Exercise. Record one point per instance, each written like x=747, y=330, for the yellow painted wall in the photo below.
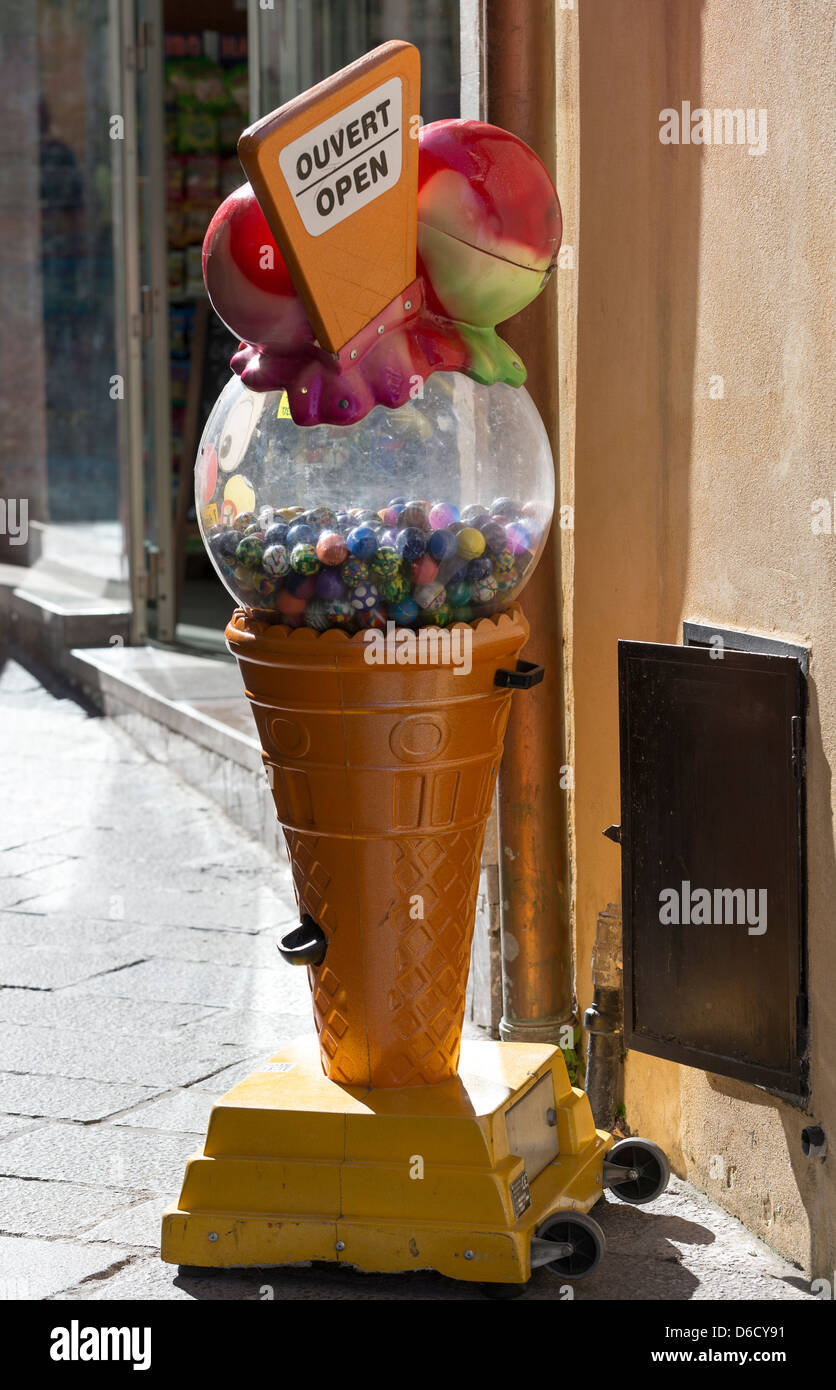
x=693, y=263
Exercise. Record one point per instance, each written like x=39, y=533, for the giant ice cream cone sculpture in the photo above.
x=375, y=487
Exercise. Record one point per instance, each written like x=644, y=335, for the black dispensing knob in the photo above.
x=305, y=945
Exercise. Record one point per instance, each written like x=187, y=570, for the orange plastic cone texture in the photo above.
x=383, y=777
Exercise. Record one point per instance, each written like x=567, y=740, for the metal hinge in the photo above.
x=142, y=324
x=136, y=54
x=149, y=582
x=146, y=309
x=799, y=765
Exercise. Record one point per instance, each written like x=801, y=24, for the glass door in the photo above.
x=194, y=166
x=61, y=397
x=295, y=43
x=139, y=216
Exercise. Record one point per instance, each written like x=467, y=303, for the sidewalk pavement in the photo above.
x=139, y=979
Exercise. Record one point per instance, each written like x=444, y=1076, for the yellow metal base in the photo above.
x=296, y=1167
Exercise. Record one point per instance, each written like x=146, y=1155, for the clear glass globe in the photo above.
x=433, y=513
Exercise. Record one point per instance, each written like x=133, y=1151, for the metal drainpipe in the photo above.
x=537, y=984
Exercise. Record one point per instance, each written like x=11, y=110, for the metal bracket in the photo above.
x=616, y=1173
x=148, y=581
x=523, y=677
x=405, y=306
x=597, y=1020
x=798, y=748
x=544, y=1251
x=136, y=54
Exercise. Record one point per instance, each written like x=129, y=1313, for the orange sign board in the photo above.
x=336, y=174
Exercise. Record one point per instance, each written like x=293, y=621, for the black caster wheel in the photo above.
x=580, y=1244
x=502, y=1292
x=636, y=1171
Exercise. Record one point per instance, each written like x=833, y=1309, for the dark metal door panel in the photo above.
x=712, y=802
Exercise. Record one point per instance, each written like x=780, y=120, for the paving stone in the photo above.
x=252, y=1031
x=69, y=806
x=76, y=1011
x=13, y=891
x=22, y=835
x=196, y=847
x=22, y=928
x=223, y=1081
x=67, y=872
x=636, y=1278
x=52, y=733
x=29, y=713
x=161, y=907
x=27, y=858
x=95, y=1056
x=198, y=982
x=256, y=890
x=681, y=1247
x=106, y=795
x=80, y=747
x=61, y=789
x=35, y=967
x=29, y=1207
x=63, y=1098
x=28, y=703
x=24, y=701
x=214, y=947
x=15, y=679
x=135, y=1225
x=10, y=1124
x=37, y=1269
x=132, y=1160
x=189, y=843
x=150, y=1280
x=99, y=840
x=187, y=1112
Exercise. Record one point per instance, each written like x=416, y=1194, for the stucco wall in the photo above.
x=693, y=496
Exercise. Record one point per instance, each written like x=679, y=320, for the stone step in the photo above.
x=189, y=712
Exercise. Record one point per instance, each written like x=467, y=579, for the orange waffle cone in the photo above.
x=382, y=777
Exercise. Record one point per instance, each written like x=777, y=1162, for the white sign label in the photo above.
x=348, y=160
x=278, y=1067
